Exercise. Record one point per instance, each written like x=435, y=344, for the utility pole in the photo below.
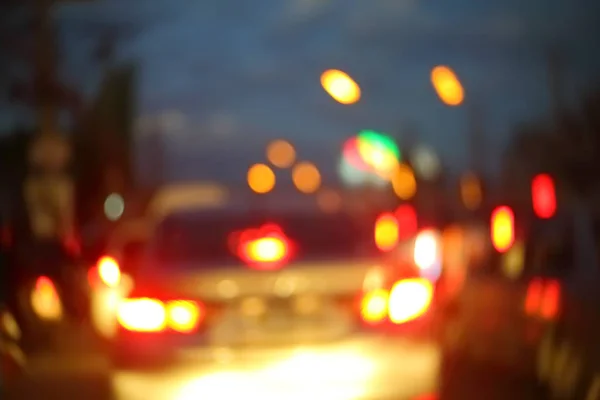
x=157, y=154
x=556, y=81
x=48, y=189
x=476, y=138
x=45, y=68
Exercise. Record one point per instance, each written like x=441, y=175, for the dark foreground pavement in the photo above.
x=93, y=380
x=80, y=372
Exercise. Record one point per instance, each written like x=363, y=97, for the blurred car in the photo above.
x=203, y=273
x=229, y=278
x=486, y=326
x=531, y=312
x=566, y=293
x=256, y=278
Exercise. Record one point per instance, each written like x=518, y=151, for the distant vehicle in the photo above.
x=222, y=277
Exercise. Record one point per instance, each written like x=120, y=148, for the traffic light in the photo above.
x=407, y=220
x=543, y=196
x=386, y=232
x=503, y=228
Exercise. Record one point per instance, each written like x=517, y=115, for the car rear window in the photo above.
x=132, y=255
x=206, y=239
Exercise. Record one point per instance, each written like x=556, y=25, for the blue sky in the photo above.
x=240, y=73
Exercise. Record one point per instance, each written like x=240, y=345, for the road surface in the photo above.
x=355, y=369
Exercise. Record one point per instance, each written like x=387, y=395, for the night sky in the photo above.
x=233, y=74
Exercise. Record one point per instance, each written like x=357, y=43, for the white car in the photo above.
x=110, y=278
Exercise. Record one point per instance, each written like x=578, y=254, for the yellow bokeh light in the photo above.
x=306, y=177
x=447, y=86
x=514, y=260
x=386, y=232
x=329, y=201
x=340, y=86
x=281, y=153
x=404, y=182
x=470, y=191
x=261, y=178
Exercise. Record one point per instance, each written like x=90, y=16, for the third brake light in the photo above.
x=265, y=248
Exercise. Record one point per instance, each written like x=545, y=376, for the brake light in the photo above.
x=407, y=220
x=153, y=315
x=551, y=300
x=45, y=300
x=533, y=298
x=409, y=299
x=427, y=253
x=108, y=270
x=387, y=232
x=183, y=316
x=142, y=315
x=265, y=248
x=374, y=306
x=543, y=299
x=268, y=249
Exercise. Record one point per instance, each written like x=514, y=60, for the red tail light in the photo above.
x=543, y=299
x=551, y=300
x=108, y=271
x=266, y=248
x=533, y=299
x=427, y=253
x=409, y=299
x=153, y=315
x=374, y=306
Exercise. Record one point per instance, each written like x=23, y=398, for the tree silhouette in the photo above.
x=569, y=149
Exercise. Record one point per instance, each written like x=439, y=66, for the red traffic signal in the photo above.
x=543, y=196
x=503, y=228
x=407, y=220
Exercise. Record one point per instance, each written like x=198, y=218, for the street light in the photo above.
x=447, y=86
x=281, y=153
x=306, y=177
x=404, y=182
x=340, y=86
x=261, y=178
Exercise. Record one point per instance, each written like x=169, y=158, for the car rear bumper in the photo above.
x=142, y=351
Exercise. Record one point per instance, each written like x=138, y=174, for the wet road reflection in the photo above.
x=356, y=369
